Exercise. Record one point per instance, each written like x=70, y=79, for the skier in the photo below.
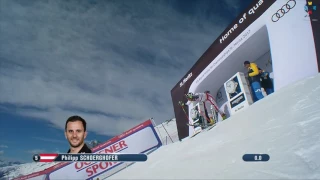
x=206, y=97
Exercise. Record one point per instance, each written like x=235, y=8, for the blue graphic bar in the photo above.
x=256, y=157
x=101, y=157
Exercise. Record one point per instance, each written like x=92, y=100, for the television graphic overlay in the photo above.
x=141, y=139
x=83, y=157
x=310, y=7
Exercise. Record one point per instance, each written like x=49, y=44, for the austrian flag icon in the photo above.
x=47, y=157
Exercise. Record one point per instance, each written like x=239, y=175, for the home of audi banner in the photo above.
x=281, y=37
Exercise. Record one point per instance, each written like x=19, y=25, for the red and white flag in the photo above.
x=47, y=157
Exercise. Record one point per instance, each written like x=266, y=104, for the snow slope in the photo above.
x=285, y=125
x=10, y=172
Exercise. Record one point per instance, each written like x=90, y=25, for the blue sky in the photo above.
x=112, y=62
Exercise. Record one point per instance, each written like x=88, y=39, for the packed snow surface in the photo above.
x=285, y=125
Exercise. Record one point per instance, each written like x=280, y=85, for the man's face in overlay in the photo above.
x=75, y=134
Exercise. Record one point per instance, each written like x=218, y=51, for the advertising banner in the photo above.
x=139, y=139
x=244, y=26
x=238, y=93
x=264, y=32
x=41, y=175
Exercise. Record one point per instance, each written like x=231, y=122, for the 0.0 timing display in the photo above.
x=256, y=157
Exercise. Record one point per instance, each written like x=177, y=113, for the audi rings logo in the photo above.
x=284, y=9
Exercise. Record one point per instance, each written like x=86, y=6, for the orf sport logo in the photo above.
x=284, y=10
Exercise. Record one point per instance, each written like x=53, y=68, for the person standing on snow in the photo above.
x=254, y=79
x=266, y=81
x=206, y=97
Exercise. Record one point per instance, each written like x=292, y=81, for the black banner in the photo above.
x=237, y=101
x=313, y=12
